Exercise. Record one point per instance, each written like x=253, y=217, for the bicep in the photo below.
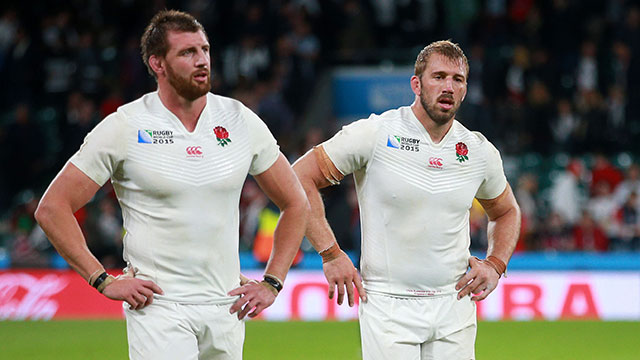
x=316, y=167
x=71, y=187
x=500, y=205
x=280, y=183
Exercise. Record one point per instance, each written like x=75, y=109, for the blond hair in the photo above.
x=445, y=48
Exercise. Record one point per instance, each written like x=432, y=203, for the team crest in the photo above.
x=222, y=135
x=461, y=152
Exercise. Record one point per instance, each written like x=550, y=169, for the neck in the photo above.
x=436, y=131
x=186, y=111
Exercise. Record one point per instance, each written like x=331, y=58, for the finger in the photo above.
x=331, y=290
x=477, y=288
x=238, y=305
x=465, y=291
x=361, y=291
x=350, y=292
x=250, y=305
x=238, y=291
x=131, y=301
x=153, y=286
x=464, y=280
x=140, y=300
x=148, y=294
x=482, y=296
x=341, y=287
x=257, y=310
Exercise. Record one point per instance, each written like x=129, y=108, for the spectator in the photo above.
x=108, y=225
x=627, y=237
x=604, y=171
x=567, y=194
x=602, y=207
x=588, y=236
x=630, y=184
x=555, y=235
x=565, y=127
x=526, y=194
x=26, y=160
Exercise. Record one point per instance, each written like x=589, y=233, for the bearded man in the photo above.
x=417, y=171
x=178, y=158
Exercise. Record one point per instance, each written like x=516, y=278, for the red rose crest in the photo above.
x=222, y=135
x=461, y=152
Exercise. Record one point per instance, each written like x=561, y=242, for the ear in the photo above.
x=157, y=64
x=464, y=93
x=415, y=85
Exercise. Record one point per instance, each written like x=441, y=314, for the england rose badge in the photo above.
x=461, y=152
x=222, y=135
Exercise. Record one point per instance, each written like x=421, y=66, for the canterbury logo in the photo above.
x=194, y=150
x=435, y=162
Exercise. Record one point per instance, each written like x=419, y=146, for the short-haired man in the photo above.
x=417, y=171
x=178, y=158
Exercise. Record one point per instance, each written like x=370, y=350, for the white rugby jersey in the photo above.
x=179, y=190
x=414, y=199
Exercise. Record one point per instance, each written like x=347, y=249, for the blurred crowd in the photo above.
x=553, y=84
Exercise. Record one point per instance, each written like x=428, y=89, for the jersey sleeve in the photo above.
x=103, y=149
x=352, y=147
x=494, y=181
x=264, y=147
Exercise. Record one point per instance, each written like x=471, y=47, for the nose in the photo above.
x=202, y=60
x=448, y=86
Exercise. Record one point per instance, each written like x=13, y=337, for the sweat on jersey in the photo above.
x=179, y=191
x=414, y=199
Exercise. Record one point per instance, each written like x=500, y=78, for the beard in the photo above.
x=185, y=87
x=434, y=111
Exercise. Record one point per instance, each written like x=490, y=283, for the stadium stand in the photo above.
x=554, y=84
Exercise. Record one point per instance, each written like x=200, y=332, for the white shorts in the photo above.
x=168, y=330
x=422, y=328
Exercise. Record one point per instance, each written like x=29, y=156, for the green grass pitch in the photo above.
x=89, y=340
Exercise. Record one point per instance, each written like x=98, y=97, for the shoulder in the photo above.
x=148, y=103
x=114, y=123
x=222, y=103
x=374, y=123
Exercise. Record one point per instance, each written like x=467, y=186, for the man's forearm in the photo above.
x=503, y=234
x=286, y=240
x=62, y=229
x=318, y=230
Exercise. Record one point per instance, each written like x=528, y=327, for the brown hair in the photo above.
x=154, y=40
x=445, y=48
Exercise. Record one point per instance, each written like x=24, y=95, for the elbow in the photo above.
x=44, y=213
x=306, y=208
x=517, y=212
x=302, y=206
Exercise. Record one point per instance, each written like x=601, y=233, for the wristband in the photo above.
x=105, y=283
x=100, y=279
x=330, y=253
x=273, y=281
x=498, y=265
x=91, y=280
x=269, y=287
